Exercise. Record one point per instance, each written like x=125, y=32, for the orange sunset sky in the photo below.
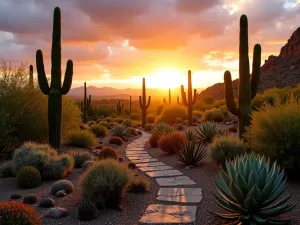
x=117, y=42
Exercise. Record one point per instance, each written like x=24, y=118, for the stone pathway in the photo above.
x=168, y=179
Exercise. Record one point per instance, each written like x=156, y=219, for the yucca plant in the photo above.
x=206, y=132
x=119, y=131
x=249, y=189
x=190, y=153
x=163, y=128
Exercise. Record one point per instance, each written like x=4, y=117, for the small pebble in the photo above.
x=57, y=212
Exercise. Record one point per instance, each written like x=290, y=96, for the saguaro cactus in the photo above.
x=247, y=90
x=178, y=102
x=191, y=100
x=120, y=107
x=85, y=105
x=30, y=77
x=55, y=91
x=143, y=103
x=169, y=96
x=130, y=105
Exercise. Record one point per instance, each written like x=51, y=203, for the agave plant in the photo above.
x=128, y=123
x=190, y=153
x=249, y=189
x=120, y=131
x=163, y=128
x=207, y=131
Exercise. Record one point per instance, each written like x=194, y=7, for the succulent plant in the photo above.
x=249, y=189
x=108, y=153
x=80, y=157
x=163, y=128
x=144, y=105
x=116, y=141
x=207, y=131
x=65, y=185
x=87, y=210
x=119, y=131
x=120, y=107
x=28, y=177
x=85, y=104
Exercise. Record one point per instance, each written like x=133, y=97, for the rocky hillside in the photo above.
x=278, y=71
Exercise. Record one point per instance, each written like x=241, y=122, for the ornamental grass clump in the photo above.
x=206, y=132
x=249, y=189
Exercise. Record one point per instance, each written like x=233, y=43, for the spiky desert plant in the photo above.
x=119, y=131
x=190, y=101
x=206, y=132
x=170, y=96
x=190, y=153
x=55, y=91
x=130, y=105
x=249, y=189
x=178, y=102
x=143, y=104
x=85, y=105
x=163, y=128
x=120, y=107
x=30, y=77
x=87, y=210
x=247, y=90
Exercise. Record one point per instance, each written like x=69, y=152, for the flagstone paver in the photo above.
x=144, y=160
x=164, y=173
x=154, y=168
x=182, y=195
x=166, y=214
x=139, y=157
x=150, y=164
x=174, y=181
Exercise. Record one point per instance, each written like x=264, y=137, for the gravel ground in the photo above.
x=204, y=176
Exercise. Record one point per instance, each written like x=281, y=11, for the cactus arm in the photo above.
x=148, y=104
x=244, y=70
x=81, y=106
x=42, y=79
x=229, y=99
x=141, y=104
x=195, y=96
x=183, y=96
x=255, y=70
x=68, y=78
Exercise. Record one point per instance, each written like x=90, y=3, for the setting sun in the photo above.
x=166, y=78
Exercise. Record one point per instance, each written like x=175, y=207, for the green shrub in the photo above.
x=225, y=148
x=6, y=170
x=116, y=141
x=153, y=141
x=65, y=185
x=249, y=189
x=118, y=120
x=131, y=165
x=135, y=116
x=15, y=213
x=190, y=153
x=108, y=152
x=171, y=113
x=163, y=128
x=99, y=130
x=275, y=133
x=150, y=119
x=215, y=115
x=148, y=127
x=87, y=211
x=108, y=119
x=28, y=177
x=128, y=123
x=80, y=157
x=119, y=131
x=208, y=100
x=206, y=132
x=81, y=138
x=104, y=183
x=138, y=184
x=198, y=113
x=160, y=109
x=179, y=120
x=171, y=142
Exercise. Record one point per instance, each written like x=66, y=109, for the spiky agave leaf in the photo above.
x=249, y=190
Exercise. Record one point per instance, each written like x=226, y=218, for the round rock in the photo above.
x=61, y=193
x=47, y=203
x=57, y=212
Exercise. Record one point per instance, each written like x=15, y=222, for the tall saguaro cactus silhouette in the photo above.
x=55, y=91
x=169, y=96
x=247, y=90
x=30, y=77
x=85, y=104
x=130, y=105
x=178, y=102
x=191, y=100
x=120, y=107
x=143, y=103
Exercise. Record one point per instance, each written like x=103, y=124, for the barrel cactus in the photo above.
x=249, y=189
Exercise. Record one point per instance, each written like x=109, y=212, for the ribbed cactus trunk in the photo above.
x=143, y=104
x=178, y=102
x=120, y=107
x=55, y=91
x=191, y=100
x=247, y=89
x=130, y=105
x=169, y=96
x=30, y=77
x=85, y=104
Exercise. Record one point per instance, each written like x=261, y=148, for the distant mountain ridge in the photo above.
x=278, y=71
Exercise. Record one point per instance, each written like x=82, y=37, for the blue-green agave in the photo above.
x=249, y=189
